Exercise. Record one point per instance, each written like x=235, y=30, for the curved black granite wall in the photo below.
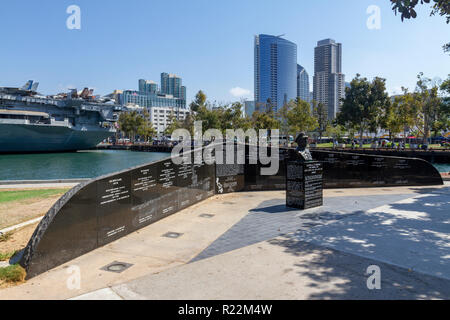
x=341, y=170
x=103, y=210
x=350, y=170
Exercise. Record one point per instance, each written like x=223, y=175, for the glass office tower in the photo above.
x=275, y=71
x=148, y=87
x=303, y=84
x=172, y=84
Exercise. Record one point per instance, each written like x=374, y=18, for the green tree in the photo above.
x=129, y=123
x=320, y=112
x=394, y=117
x=336, y=131
x=299, y=117
x=174, y=124
x=407, y=10
x=210, y=118
x=361, y=106
x=443, y=117
x=380, y=102
x=145, y=128
x=427, y=103
x=132, y=123
x=200, y=101
x=264, y=121
x=147, y=131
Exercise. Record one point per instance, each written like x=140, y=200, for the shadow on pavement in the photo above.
x=409, y=240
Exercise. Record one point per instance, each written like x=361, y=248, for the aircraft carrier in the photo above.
x=31, y=122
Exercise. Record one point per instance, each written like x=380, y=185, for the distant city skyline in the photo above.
x=212, y=53
x=170, y=94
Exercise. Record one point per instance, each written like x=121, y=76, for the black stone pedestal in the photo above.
x=304, y=184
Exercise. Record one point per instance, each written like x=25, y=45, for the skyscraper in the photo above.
x=329, y=81
x=275, y=71
x=303, y=84
x=148, y=87
x=172, y=85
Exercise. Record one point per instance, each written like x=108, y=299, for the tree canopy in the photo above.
x=407, y=10
x=133, y=124
x=362, y=106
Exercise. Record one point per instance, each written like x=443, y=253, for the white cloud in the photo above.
x=240, y=92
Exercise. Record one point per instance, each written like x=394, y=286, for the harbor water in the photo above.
x=75, y=165
x=442, y=167
x=82, y=164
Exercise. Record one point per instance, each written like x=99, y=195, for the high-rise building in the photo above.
x=148, y=87
x=329, y=81
x=303, y=84
x=172, y=84
x=275, y=71
x=249, y=107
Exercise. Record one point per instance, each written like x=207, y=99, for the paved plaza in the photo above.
x=250, y=246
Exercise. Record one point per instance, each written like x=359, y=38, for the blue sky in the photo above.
x=209, y=43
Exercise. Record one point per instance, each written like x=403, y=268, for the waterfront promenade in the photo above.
x=250, y=246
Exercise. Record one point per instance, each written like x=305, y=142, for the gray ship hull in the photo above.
x=23, y=138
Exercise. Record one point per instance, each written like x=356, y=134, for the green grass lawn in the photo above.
x=325, y=145
x=6, y=256
x=14, y=273
x=10, y=196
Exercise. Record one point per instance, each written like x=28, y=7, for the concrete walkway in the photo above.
x=249, y=246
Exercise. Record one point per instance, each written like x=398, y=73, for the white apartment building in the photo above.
x=161, y=117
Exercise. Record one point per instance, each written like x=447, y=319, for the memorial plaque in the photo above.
x=184, y=183
x=115, y=217
x=304, y=184
x=230, y=184
x=295, y=188
x=399, y=171
x=376, y=171
x=167, y=188
x=230, y=176
x=353, y=165
x=145, y=196
x=313, y=177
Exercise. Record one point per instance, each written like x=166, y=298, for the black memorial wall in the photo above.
x=350, y=170
x=105, y=209
x=108, y=208
x=340, y=170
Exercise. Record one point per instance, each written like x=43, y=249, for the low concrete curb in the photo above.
x=20, y=225
x=16, y=182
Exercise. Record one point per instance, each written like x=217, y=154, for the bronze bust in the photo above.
x=302, y=149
